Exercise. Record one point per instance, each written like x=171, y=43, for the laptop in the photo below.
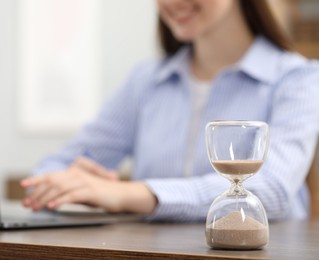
x=14, y=216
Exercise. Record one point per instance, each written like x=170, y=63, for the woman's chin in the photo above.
x=184, y=37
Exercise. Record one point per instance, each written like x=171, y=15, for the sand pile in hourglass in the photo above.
x=235, y=229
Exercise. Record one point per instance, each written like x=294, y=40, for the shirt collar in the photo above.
x=175, y=66
x=261, y=61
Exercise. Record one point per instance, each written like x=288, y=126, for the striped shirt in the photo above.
x=150, y=116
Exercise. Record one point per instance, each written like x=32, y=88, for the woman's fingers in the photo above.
x=73, y=196
x=32, y=199
x=46, y=197
x=60, y=190
x=95, y=168
x=82, y=182
x=50, y=187
x=32, y=181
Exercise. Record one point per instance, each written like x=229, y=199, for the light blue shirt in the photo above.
x=148, y=119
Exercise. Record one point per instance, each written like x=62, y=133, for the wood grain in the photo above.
x=288, y=240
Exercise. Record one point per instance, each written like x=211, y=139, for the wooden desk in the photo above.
x=288, y=240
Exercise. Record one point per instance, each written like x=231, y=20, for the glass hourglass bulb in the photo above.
x=236, y=150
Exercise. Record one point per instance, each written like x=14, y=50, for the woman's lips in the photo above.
x=182, y=16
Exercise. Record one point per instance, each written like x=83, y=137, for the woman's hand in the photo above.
x=87, y=182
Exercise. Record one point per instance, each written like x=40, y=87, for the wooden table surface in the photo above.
x=288, y=240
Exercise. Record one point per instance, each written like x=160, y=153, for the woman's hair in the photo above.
x=259, y=17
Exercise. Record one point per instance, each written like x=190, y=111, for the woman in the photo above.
x=224, y=59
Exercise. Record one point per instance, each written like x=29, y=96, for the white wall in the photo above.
x=129, y=37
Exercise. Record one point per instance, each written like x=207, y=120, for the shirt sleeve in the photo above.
x=109, y=137
x=294, y=126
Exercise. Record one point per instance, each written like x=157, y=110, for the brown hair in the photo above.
x=259, y=17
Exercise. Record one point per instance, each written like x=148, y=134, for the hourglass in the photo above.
x=237, y=219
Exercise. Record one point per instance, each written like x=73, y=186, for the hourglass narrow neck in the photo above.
x=237, y=189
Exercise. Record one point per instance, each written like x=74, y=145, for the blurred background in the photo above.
x=59, y=59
